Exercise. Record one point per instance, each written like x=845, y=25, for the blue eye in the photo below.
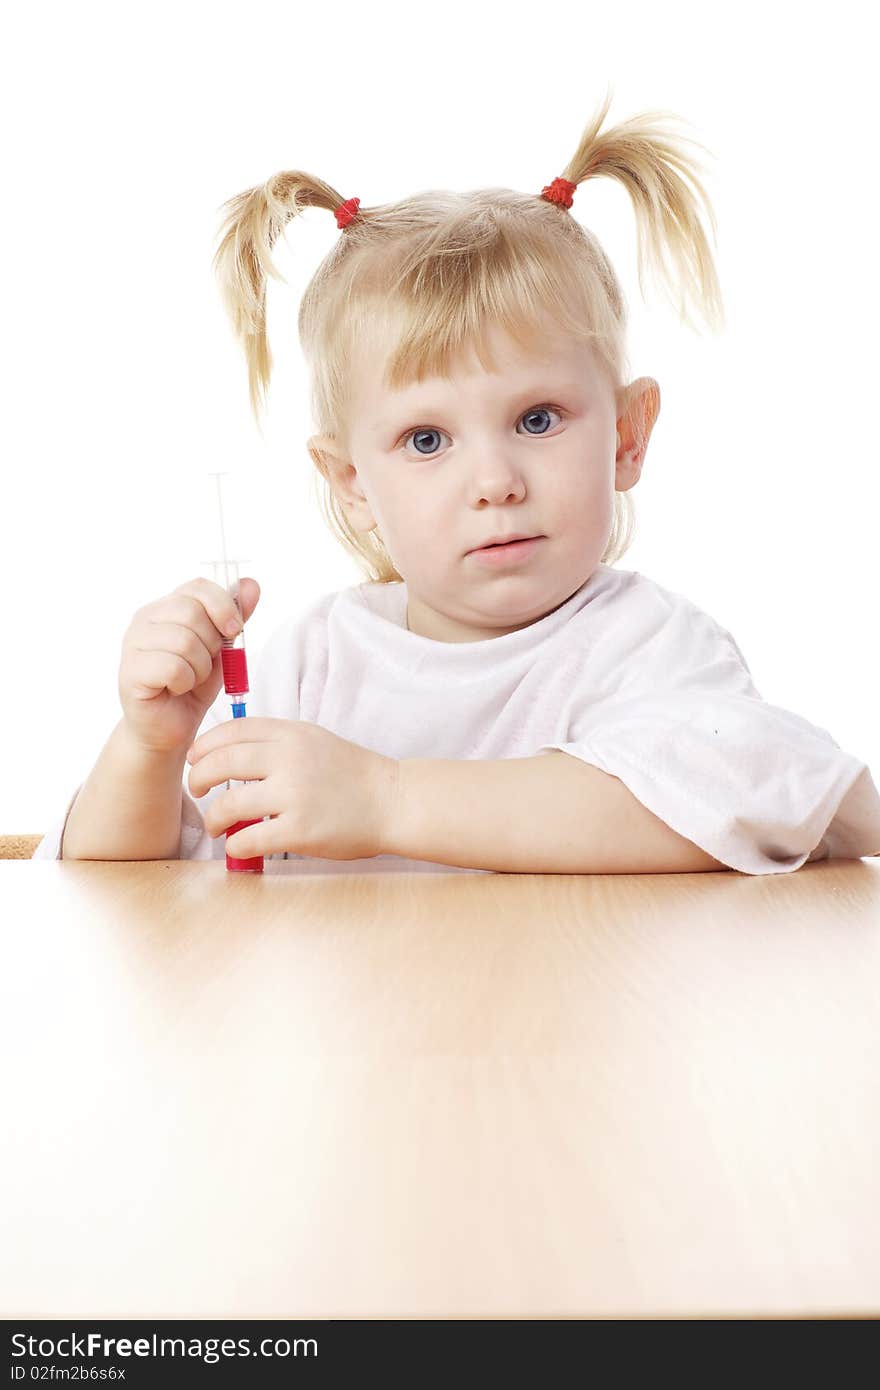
x=539, y=410
x=418, y=435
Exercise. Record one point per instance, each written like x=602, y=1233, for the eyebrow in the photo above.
x=426, y=409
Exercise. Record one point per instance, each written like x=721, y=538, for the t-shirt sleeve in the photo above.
x=681, y=724
x=194, y=843
x=50, y=845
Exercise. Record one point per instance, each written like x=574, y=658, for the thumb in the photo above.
x=248, y=596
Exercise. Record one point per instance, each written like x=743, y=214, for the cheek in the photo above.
x=587, y=508
x=415, y=517
x=411, y=530
x=581, y=487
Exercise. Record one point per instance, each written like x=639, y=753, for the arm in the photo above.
x=130, y=806
x=550, y=814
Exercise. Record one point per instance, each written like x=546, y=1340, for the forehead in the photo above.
x=548, y=357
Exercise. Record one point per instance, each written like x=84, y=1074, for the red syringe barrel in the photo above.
x=235, y=672
x=235, y=681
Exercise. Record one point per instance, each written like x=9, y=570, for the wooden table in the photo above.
x=439, y=1095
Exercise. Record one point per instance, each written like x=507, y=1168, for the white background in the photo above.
x=126, y=129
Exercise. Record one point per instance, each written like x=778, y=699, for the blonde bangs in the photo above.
x=439, y=297
x=513, y=287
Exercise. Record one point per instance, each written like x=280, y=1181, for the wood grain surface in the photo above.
x=438, y=1095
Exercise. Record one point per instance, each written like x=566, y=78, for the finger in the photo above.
x=238, y=804
x=266, y=838
x=238, y=762
x=178, y=649
x=235, y=732
x=205, y=607
x=221, y=605
x=247, y=843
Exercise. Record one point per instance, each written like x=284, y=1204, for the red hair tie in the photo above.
x=346, y=212
x=560, y=191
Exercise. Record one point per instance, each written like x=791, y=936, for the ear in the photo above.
x=335, y=465
x=638, y=407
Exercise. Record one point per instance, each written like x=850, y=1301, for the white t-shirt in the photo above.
x=626, y=675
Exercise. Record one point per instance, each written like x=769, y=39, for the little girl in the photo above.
x=496, y=694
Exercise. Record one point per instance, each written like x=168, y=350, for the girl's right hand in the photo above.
x=171, y=671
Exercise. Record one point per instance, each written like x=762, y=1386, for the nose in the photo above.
x=496, y=478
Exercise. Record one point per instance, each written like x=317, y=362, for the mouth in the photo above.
x=505, y=545
x=506, y=553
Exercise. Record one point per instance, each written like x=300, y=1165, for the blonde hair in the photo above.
x=430, y=272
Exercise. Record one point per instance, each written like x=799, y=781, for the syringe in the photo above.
x=235, y=672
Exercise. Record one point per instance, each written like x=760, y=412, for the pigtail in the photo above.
x=647, y=160
x=242, y=262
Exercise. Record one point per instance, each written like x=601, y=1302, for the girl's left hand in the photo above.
x=327, y=797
